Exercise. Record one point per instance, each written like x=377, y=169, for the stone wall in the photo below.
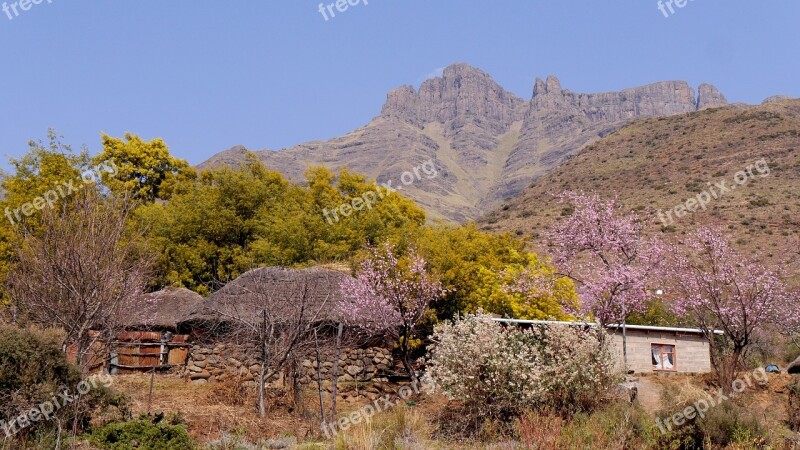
x=221, y=362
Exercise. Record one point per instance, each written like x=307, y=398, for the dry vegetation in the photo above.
x=658, y=163
x=210, y=410
x=417, y=425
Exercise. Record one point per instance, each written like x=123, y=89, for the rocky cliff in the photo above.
x=487, y=143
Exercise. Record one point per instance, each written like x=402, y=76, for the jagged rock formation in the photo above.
x=462, y=92
x=710, y=97
x=487, y=143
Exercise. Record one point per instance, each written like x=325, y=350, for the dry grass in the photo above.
x=415, y=426
x=656, y=164
x=207, y=416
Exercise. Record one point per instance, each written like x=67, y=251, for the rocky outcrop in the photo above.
x=461, y=92
x=487, y=143
x=709, y=96
x=658, y=99
x=559, y=123
x=794, y=366
x=776, y=99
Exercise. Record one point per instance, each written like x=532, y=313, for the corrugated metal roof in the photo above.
x=614, y=326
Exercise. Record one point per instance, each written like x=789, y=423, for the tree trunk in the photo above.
x=625, y=345
x=262, y=378
x=297, y=388
x=730, y=370
x=323, y=418
x=405, y=351
x=335, y=371
x=81, y=357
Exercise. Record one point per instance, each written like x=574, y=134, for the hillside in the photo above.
x=656, y=164
x=487, y=143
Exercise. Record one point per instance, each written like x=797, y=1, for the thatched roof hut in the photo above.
x=281, y=291
x=162, y=310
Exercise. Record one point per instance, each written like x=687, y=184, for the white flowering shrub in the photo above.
x=578, y=371
x=492, y=371
x=499, y=372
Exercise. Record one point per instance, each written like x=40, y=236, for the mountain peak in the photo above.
x=487, y=143
x=551, y=86
x=462, y=69
x=461, y=91
x=708, y=96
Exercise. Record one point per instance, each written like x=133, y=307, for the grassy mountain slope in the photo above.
x=657, y=164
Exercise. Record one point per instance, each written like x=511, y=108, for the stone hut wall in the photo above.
x=214, y=363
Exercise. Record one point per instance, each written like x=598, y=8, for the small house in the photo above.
x=150, y=340
x=651, y=349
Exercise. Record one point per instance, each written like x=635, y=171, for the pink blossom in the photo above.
x=724, y=289
x=386, y=296
x=602, y=249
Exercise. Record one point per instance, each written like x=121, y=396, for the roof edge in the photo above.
x=608, y=326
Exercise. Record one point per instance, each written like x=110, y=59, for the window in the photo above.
x=663, y=357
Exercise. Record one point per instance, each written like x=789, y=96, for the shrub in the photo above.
x=34, y=370
x=616, y=425
x=794, y=406
x=728, y=423
x=141, y=434
x=578, y=371
x=499, y=373
x=402, y=427
x=32, y=366
x=724, y=424
x=494, y=372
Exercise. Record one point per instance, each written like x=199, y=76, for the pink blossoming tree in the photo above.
x=389, y=295
x=722, y=289
x=602, y=249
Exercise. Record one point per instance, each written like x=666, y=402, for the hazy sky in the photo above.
x=208, y=75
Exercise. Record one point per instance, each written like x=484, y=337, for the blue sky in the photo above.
x=206, y=75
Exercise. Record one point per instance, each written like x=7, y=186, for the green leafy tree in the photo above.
x=41, y=172
x=145, y=169
x=476, y=268
x=232, y=219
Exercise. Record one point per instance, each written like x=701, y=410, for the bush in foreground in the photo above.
x=725, y=425
x=141, y=434
x=34, y=372
x=498, y=373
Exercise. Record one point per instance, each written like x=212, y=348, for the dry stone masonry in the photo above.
x=223, y=362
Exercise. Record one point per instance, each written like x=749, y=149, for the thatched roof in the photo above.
x=282, y=290
x=164, y=309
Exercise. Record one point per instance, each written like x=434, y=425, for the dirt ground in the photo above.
x=769, y=400
x=211, y=409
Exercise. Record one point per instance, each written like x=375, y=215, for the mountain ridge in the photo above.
x=487, y=143
x=657, y=166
